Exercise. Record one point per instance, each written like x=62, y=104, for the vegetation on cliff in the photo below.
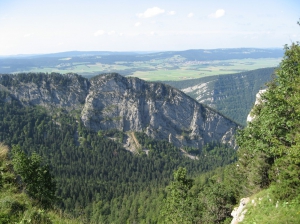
x=27, y=190
x=269, y=146
x=268, y=166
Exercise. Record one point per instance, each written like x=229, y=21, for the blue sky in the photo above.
x=42, y=26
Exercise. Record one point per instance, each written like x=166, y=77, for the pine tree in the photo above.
x=273, y=137
x=178, y=204
x=37, y=180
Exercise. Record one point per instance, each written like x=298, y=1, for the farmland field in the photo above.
x=194, y=70
x=161, y=66
x=160, y=70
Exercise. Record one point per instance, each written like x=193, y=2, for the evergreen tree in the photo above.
x=179, y=201
x=37, y=179
x=269, y=146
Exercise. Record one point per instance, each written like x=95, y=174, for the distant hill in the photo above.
x=193, y=54
x=76, y=54
x=233, y=95
x=222, y=54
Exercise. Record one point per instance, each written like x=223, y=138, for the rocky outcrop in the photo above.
x=258, y=100
x=112, y=101
x=238, y=213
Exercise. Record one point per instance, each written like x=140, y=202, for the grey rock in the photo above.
x=112, y=101
x=51, y=91
x=161, y=111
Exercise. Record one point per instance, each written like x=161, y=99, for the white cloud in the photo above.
x=137, y=24
x=171, y=13
x=27, y=35
x=190, y=15
x=152, y=33
x=111, y=32
x=217, y=14
x=151, y=12
x=99, y=33
x=132, y=34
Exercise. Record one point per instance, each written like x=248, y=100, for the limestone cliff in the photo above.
x=51, y=91
x=159, y=110
x=128, y=104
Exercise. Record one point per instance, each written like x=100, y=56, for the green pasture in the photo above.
x=163, y=74
x=155, y=70
x=194, y=70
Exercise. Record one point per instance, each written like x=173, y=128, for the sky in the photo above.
x=48, y=26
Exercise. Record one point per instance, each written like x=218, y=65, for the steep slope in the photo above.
x=160, y=111
x=112, y=101
x=15, y=205
x=233, y=95
x=263, y=207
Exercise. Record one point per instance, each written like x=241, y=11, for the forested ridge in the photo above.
x=95, y=176
x=233, y=95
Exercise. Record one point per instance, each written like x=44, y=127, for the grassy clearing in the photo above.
x=263, y=208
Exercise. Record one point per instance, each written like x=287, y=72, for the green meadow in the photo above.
x=193, y=71
x=161, y=69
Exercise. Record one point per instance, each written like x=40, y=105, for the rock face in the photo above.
x=160, y=111
x=257, y=101
x=51, y=91
x=203, y=92
x=112, y=101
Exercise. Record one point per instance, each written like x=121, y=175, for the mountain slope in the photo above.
x=95, y=175
x=112, y=101
x=233, y=95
